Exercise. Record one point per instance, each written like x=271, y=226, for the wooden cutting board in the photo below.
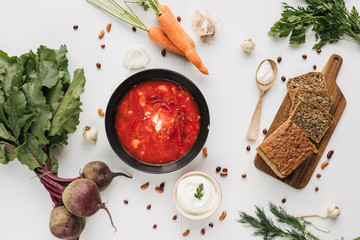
x=301, y=176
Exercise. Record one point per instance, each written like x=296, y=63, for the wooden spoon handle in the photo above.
x=252, y=133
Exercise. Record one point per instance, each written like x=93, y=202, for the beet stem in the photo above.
x=102, y=206
x=59, y=179
x=52, y=183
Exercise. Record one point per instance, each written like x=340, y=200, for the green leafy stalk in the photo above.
x=154, y=5
x=199, y=190
x=39, y=106
x=119, y=12
x=330, y=20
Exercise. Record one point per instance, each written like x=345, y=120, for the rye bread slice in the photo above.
x=311, y=119
x=318, y=98
x=286, y=148
x=311, y=80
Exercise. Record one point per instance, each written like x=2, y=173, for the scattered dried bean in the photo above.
x=202, y=231
x=102, y=33
x=101, y=113
x=205, y=151
x=144, y=186
x=108, y=27
x=186, y=233
x=223, y=174
x=75, y=27
x=223, y=216
x=163, y=52
x=159, y=190
x=279, y=59
x=324, y=164
x=329, y=154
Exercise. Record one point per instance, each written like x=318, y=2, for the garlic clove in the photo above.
x=333, y=211
x=90, y=134
x=247, y=45
x=208, y=29
x=205, y=25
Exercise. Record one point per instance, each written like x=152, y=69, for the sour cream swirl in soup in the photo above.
x=186, y=199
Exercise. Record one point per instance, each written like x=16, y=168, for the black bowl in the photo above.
x=129, y=83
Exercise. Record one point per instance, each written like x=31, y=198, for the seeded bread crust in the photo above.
x=286, y=148
x=311, y=80
x=318, y=98
x=311, y=119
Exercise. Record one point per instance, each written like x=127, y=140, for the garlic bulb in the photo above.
x=333, y=211
x=205, y=25
x=90, y=134
x=247, y=45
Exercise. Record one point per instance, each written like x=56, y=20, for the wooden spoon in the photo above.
x=252, y=133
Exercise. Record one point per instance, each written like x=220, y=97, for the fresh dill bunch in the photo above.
x=266, y=228
x=330, y=20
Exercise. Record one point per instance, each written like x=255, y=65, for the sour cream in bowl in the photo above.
x=196, y=195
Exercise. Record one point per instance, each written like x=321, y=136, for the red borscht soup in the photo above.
x=157, y=122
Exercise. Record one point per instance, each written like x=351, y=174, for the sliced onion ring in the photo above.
x=136, y=57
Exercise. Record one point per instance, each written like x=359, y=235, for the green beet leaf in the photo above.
x=7, y=153
x=66, y=117
x=15, y=109
x=37, y=102
x=31, y=153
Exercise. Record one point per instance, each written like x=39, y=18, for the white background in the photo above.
x=231, y=94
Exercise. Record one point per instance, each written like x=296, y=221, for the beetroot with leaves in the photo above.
x=39, y=107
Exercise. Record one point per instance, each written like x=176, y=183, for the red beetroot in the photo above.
x=82, y=198
x=100, y=173
x=65, y=225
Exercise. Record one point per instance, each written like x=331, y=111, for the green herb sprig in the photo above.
x=293, y=227
x=266, y=228
x=330, y=20
x=199, y=190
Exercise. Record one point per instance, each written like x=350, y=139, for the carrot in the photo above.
x=166, y=10
x=176, y=33
x=158, y=36
x=179, y=37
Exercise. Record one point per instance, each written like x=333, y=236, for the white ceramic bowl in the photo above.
x=213, y=208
